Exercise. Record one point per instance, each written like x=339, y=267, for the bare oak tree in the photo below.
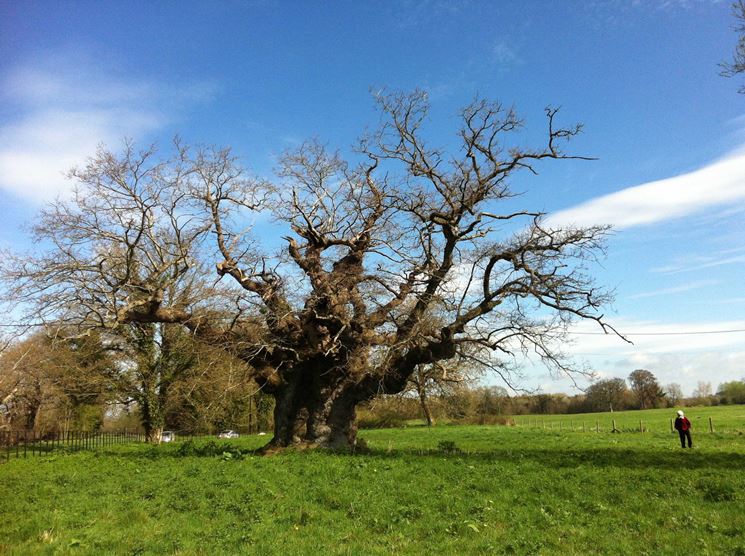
x=405, y=258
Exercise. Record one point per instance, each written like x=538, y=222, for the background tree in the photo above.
x=607, y=395
x=494, y=401
x=407, y=257
x=125, y=241
x=673, y=394
x=439, y=379
x=645, y=387
x=51, y=383
x=703, y=394
x=732, y=392
x=217, y=393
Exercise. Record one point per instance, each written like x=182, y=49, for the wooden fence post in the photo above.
x=614, y=426
x=711, y=425
x=597, y=425
x=671, y=424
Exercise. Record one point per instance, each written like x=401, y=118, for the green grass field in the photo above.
x=445, y=490
x=724, y=418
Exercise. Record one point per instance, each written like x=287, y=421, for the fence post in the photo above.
x=614, y=426
x=711, y=425
x=671, y=424
x=597, y=425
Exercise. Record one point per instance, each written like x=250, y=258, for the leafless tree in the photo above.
x=737, y=65
x=703, y=394
x=674, y=394
x=439, y=379
x=407, y=257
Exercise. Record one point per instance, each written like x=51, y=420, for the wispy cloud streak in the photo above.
x=657, y=201
x=675, y=289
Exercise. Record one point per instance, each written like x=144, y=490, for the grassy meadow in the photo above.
x=724, y=418
x=445, y=490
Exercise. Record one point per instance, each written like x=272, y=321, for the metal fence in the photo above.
x=26, y=444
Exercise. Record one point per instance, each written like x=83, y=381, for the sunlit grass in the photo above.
x=723, y=418
x=445, y=490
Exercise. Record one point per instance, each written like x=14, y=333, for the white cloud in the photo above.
x=65, y=112
x=675, y=289
x=716, y=184
x=700, y=262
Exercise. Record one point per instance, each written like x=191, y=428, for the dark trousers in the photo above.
x=683, y=436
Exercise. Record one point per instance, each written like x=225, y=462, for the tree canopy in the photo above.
x=405, y=255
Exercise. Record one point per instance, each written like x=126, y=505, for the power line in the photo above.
x=690, y=333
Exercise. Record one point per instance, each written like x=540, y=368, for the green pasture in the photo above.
x=445, y=490
x=724, y=418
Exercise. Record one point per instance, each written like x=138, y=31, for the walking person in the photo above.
x=683, y=426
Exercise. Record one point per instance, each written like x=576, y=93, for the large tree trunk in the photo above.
x=152, y=416
x=312, y=410
x=422, y=391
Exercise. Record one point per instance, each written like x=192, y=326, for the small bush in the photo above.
x=211, y=448
x=448, y=447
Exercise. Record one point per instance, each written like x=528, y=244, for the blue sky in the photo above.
x=642, y=75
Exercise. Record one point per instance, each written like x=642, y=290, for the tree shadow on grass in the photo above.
x=596, y=457
x=553, y=457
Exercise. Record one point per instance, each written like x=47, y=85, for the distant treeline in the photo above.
x=92, y=384
x=493, y=404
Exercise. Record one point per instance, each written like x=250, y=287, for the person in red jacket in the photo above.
x=683, y=426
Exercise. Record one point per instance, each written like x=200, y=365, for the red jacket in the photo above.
x=682, y=424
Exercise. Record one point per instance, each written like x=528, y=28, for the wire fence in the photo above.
x=617, y=426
